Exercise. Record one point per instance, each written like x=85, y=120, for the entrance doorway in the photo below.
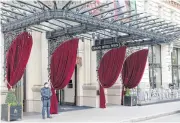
x=67, y=96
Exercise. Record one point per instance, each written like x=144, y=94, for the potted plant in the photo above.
x=130, y=100
x=11, y=110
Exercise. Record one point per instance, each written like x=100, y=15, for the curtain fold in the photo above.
x=102, y=97
x=54, y=107
x=109, y=70
x=62, y=65
x=17, y=57
x=133, y=70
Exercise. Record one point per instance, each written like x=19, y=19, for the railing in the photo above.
x=147, y=96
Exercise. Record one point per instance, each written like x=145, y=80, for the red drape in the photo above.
x=17, y=57
x=54, y=102
x=63, y=62
x=133, y=69
x=109, y=70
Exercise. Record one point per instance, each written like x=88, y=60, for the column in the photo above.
x=44, y=55
x=84, y=61
x=80, y=74
x=93, y=66
x=166, y=66
x=34, y=74
x=90, y=97
x=87, y=61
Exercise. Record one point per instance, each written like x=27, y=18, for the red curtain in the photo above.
x=17, y=57
x=133, y=69
x=109, y=70
x=63, y=62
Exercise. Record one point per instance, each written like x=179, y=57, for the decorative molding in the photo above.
x=115, y=86
x=37, y=88
x=90, y=87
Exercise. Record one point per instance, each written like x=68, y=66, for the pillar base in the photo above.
x=90, y=95
x=35, y=104
x=114, y=95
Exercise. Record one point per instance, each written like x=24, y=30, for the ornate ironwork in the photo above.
x=157, y=95
x=67, y=15
x=131, y=50
x=41, y=12
x=52, y=45
x=8, y=38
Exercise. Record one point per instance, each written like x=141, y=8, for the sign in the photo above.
x=103, y=47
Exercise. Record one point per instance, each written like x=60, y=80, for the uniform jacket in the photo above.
x=46, y=93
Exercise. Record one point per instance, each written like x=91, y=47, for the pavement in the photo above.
x=116, y=113
x=169, y=118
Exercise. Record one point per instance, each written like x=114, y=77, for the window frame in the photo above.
x=153, y=65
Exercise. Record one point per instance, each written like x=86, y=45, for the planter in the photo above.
x=130, y=100
x=11, y=113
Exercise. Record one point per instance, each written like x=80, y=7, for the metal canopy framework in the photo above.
x=70, y=18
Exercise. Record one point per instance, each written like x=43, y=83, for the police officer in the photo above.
x=45, y=97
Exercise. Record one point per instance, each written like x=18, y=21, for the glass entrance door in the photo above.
x=67, y=96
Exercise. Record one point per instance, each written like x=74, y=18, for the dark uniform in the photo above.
x=46, y=95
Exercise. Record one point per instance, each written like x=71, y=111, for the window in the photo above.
x=155, y=73
x=175, y=66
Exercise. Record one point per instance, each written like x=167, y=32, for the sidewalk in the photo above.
x=111, y=114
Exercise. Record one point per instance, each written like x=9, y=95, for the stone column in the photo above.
x=34, y=74
x=80, y=74
x=93, y=66
x=90, y=88
x=84, y=61
x=166, y=66
x=44, y=55
x=43, y=72
x=87, y=61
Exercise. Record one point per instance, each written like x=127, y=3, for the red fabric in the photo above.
x=109, y=70
x=17, y=57
x=54, y=107
x=102, y=97
x=133, y=69
x=62, y=65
